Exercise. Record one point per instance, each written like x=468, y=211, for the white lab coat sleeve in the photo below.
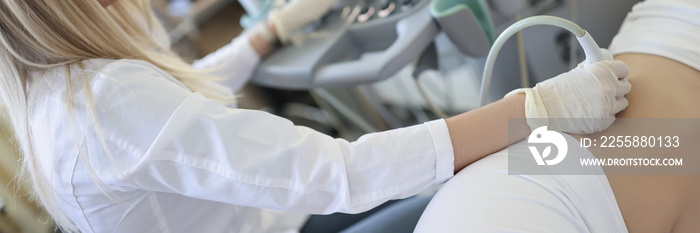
x=202, y=149
x=235, y=62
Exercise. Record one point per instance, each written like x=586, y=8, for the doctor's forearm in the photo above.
x=483, y=131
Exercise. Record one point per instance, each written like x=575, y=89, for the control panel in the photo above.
x=359, y=42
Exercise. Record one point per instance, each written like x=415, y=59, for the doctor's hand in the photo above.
x=296, y=14
x=581, y=101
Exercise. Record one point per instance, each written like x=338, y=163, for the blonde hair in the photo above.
x=42, y=34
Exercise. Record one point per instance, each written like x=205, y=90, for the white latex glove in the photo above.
x=296, y=14
x=581, y=101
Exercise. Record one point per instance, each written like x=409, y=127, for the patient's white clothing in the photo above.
x=484, y=197
x=667, y=28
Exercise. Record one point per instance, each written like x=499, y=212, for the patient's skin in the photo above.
x=661, y=88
